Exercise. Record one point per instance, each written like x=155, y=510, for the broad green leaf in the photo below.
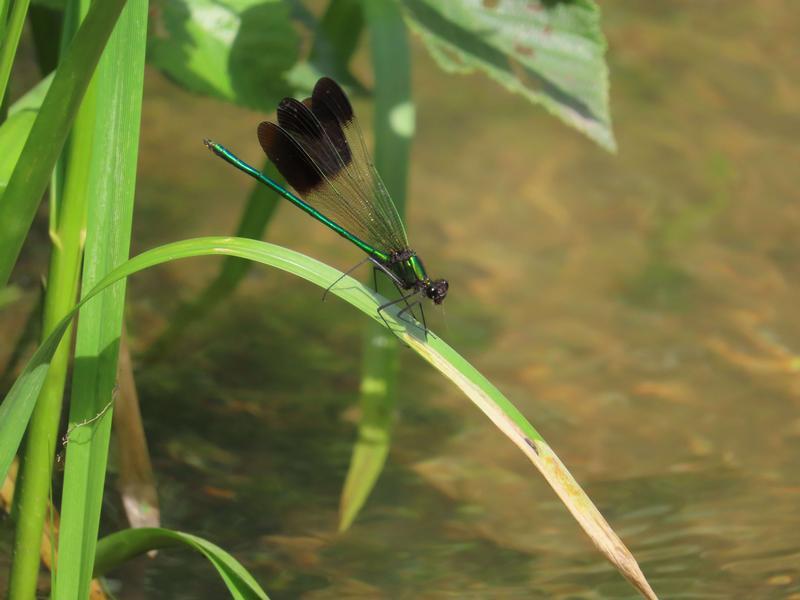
x=18, y=404
x=335, y=37
x=235, y=50
x=117, y=548
x=550, y=51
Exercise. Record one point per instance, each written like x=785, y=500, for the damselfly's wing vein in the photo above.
x=318, y=148
x=329, y=95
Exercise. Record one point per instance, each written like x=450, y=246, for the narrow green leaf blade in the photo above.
x=49, y=131
x=117, y=548
x=434, y=350
x=33, y=98
x=119, y=84
x=15, y=130
x=13, y=134
x=549, y=51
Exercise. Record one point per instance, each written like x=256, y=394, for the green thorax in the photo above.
x=409, y=269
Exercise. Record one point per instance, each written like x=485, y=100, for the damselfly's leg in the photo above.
x=375, y=278
x=410, y=308
x=398, y=284
x=386, y=305
x=350, y=270
x=380, y=266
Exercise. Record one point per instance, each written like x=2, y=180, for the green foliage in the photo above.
x=13, y=134
x=551, y=52
x=335, y=41
x=119, y=547
x=15, y=129
x=108, y=232
x=10, y=33
x=18, y=404
x=235, y=50
x=394, y=132
x=49, y=132
x=247, y=52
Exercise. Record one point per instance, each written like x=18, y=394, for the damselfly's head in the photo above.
x=436, y=290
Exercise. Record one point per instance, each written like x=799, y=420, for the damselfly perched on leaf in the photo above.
x=318, y=148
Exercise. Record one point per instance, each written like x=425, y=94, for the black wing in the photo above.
x=318, y=148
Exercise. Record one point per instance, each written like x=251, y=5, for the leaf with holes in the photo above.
x=550, y=51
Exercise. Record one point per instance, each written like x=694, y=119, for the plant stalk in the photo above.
x=62, y=287
x=67, y=231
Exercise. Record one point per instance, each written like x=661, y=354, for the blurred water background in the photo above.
x=640, y=309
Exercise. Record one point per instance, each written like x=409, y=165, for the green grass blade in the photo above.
x=67, y=232
x=18, y=404
x=4, y=4
x=15, y=129
x=46, y=139
x=11, y=33
x=13, y=133
x=394, y=106
x=33, y=98
x=111, y=186
x=117, y=548
x=377, y=412
x=394, y=129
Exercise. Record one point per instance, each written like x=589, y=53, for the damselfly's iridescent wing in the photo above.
x=318, y=148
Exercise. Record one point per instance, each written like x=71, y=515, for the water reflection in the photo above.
x=641, y=309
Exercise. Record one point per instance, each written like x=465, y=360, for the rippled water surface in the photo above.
x=640, y=309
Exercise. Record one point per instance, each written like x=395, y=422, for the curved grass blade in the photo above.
x=119, y=547
x=16, y=408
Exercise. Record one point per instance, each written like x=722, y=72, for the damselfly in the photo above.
x=318, y=148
